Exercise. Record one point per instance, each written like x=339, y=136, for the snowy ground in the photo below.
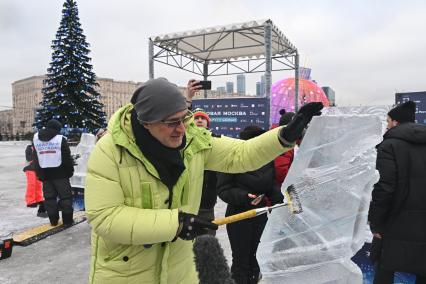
x=62, y=258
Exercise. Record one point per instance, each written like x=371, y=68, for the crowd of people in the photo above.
x=154, y=178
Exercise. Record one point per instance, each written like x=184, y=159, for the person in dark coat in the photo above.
x=397, y=214
x=54, y=167
x=34, y=193
x=240, y=192
x=209, y=195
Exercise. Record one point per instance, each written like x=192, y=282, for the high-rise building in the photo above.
x=229, y=87
x=221, y=90
x=262, y=85
x=258, y=89
x=241, y=84
x=330, y=94
x=305, y=73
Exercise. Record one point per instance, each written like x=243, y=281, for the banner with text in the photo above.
x=231, y=115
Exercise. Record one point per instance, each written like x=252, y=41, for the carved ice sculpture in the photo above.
x=333, y=172
x=83, y=150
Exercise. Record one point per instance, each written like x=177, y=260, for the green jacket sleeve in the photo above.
x=105, y=205
x=230, y=155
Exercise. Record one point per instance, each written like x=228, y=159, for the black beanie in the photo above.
x=286, y=117
x=54, y=125
x=251, y=131
x=405, y=112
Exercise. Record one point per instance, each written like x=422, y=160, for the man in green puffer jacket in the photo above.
x=144, y=184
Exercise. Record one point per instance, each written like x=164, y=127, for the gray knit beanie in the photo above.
x=156, y=100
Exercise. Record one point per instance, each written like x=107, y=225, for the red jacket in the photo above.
x=282, y=165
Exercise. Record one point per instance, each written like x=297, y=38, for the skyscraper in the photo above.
x=221, y=90
x=241, y=84
x=331, y=96
x=258, y=89
x=262, y=85
x=229, y=87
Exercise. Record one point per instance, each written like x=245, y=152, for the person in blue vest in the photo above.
x=54, y=167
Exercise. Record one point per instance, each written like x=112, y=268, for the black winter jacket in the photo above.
x=398, y=206
x=234, y=188
x=209, y=195
x=29, y=156
x=65, y=170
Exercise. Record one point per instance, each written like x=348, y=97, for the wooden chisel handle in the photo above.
x=236, y=217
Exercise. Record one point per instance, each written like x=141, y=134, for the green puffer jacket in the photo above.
x=126, y=201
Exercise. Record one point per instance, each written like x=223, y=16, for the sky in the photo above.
x=366, y=50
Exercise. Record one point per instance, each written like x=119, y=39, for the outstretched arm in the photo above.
x=235, y=156
x=191, y=89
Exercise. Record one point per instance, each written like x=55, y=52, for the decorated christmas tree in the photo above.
x=69, y=93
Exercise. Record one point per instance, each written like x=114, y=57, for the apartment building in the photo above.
x=6, y=122
x=26, y=96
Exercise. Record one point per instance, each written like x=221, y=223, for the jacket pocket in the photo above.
x=118, y=260
x=116, y=252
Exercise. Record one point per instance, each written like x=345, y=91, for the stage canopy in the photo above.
x=250, y=47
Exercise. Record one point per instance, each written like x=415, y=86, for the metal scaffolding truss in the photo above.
x=250, y=47
x=228, y=67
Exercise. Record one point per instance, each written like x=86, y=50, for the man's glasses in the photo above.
x=175, y=123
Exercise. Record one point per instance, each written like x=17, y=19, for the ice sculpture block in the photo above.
x=83, y=149
x=379, y=110
x=333, y=172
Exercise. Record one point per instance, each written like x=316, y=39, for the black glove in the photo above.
x=294, y=129
x=191, y=226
